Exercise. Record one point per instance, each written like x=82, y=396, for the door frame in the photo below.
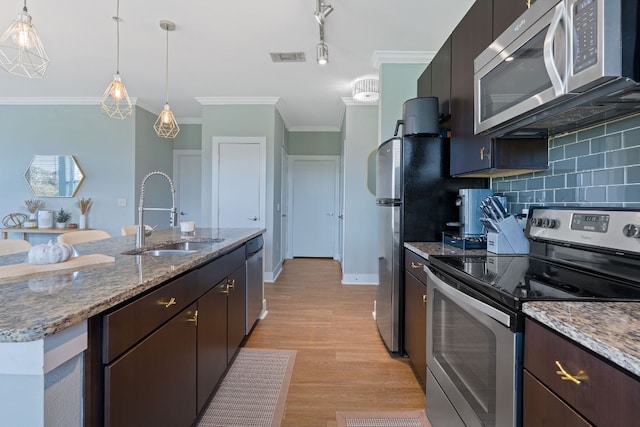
x=215, y=160
x=176, y=174
x=336, y=200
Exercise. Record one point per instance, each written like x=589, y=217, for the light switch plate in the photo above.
x=122, y=202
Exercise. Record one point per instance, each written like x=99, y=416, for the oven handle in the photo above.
x=457, y=295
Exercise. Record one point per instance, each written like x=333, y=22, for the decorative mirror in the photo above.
x=54, y=176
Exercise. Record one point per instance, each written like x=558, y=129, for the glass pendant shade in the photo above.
x=365, y=90
x=21, y=51
x=115, y=101
x=166, y=125
x=322, y=53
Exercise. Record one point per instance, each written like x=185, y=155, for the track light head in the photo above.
x=322, y=12
x=322, y=53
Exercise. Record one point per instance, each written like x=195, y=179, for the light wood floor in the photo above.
x=341, y=362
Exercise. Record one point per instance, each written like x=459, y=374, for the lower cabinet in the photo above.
x=154, y=383
x=156, y=360
x=567, y=385
x=415, y=314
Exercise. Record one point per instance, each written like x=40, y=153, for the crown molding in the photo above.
x=401, y=57
x=315, y=129
x=238, y=100
x=54, y=101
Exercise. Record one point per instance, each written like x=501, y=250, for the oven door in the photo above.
x=523, y=69
x=474, y=359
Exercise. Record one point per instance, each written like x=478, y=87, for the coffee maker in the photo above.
x=468, y=202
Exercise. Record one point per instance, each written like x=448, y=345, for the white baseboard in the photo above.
x=272, y=276
x=359, y=279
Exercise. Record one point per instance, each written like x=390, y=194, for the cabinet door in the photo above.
x=424, y=82
x=441, y=78
x=154, y=383
x=468, y=40
x=415, y=325
x=212, y=340
x=236, y=306
x=541, y=407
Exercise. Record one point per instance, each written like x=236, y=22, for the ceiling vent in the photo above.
x=287, y=56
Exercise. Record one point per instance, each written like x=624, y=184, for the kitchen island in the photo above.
x=44, y=317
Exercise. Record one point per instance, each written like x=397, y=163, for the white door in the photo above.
x=239, y=182
x=284, y=208
x=187, y=177
x=313, y=195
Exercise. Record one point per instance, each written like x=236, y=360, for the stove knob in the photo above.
x=536, y=222
x=631, y=230
x=549, y=223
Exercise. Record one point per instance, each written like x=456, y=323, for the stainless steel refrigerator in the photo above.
x=415, y=197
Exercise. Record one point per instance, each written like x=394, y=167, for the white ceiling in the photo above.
x=221, y=50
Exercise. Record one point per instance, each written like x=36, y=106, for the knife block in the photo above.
x=509, y=240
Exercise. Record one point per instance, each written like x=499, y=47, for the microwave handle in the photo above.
x=459, y=296
x=549, y=63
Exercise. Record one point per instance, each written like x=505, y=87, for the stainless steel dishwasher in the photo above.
x=255, y=292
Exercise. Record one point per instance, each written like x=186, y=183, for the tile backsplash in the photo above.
x=598, y=166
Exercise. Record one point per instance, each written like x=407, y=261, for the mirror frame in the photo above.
x=53, y=159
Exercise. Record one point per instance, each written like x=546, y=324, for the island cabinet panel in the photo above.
x=605, y=395
x=212, y=340
x=237, y=308
x=153, y=384
x=415, y=314
x=129, y=324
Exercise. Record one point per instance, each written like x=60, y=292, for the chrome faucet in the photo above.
x=173, y=218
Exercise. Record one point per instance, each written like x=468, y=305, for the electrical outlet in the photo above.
x=122, y=202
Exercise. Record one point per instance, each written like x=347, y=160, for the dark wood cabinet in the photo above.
x=155, y=360
x=236, y=310
x=479, y=155
x=424, y=82
x=154, y=383
x=212, y=341
x=604, y=394
x=415, y=314
x=441, y=79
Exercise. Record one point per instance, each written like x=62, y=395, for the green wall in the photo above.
x=315, y=143
x=398, y=83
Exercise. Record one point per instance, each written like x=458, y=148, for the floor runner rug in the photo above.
x=253, y=392
x=383, y=419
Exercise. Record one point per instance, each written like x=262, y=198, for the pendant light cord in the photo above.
x=25, y=6
x=117, y=36
x=166, y=86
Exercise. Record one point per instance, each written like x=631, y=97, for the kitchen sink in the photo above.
x=176, y=248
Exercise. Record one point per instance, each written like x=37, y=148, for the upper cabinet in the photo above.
x=450, y=77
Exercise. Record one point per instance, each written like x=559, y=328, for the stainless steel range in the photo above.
x=474, y=319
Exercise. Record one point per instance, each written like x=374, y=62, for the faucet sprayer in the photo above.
x=173, y=218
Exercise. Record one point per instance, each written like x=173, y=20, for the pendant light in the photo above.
x=115, y=101
x=166, y=125
x=21, y=51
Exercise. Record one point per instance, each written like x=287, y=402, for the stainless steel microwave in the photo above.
x=564, y=64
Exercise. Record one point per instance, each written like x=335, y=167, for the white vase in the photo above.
x=45, y=219
x=82, y=223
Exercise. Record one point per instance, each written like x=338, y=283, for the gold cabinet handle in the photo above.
x=415, y=265
x=577, y=378
x=484, y=153
x=225, y=289
x=194, y=319
x=166, y=304
x=424, y=299
x=231, y=284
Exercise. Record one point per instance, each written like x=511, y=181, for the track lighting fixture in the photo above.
x=322, y=52
x=21, y=51
x=166, y=125
x=322, y=11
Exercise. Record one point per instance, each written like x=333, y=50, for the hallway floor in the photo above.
x=341, y=363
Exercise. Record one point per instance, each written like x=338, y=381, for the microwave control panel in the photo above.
x=585, y=36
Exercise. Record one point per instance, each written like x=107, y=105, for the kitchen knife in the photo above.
x=495, y=205
x=493, y=212
x=500, y=206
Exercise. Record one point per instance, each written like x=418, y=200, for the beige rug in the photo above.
x=253, y=392
x=383, y=419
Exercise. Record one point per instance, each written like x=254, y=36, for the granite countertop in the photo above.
x=609, y=329
x=424, y=249
x=39, y=305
